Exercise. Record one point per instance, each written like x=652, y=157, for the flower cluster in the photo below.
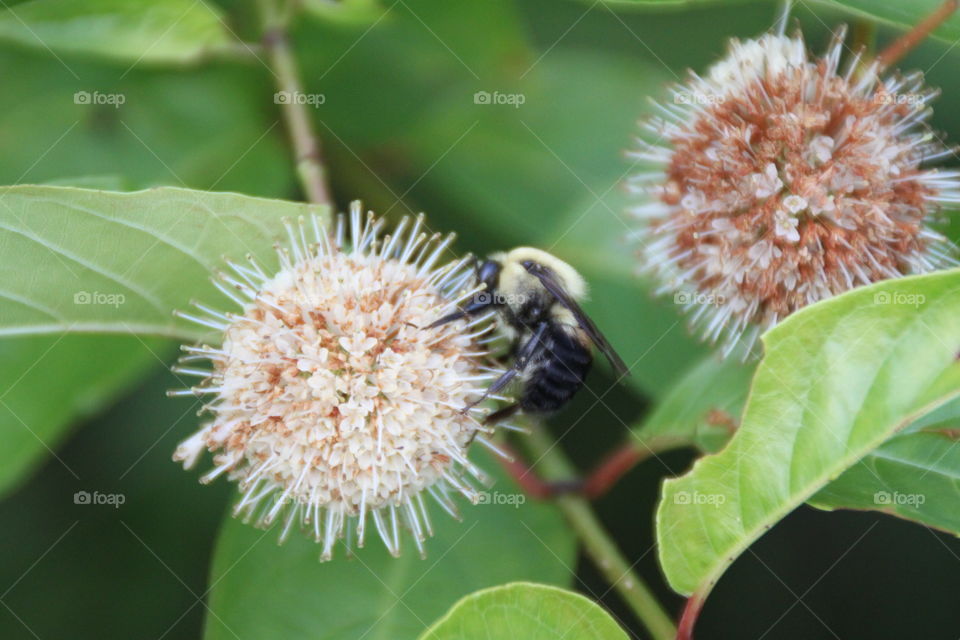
x=794, y=182
x=333, y=403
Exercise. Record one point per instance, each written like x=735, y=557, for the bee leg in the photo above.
x=527, y=351
x=498, y=384
x=450, y=317
x=530, y=348
x=502, y=414
x=478, y=304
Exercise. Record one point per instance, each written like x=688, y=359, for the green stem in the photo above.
x=596, y=541
x=283, y=64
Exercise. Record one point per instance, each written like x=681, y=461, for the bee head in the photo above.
x=518, y=262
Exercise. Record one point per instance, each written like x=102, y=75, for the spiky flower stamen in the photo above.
x=333, y=406
x=781, y=180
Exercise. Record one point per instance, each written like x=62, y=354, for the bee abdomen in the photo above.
x=558, y=375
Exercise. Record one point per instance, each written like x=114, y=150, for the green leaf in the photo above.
x=900, y=13
x=837, y=380
x=271, y=592
x=154, y=143
x=528, y=611
x=37, y=368
x=347, y=12
x=159, y=31
x=80, y=373
x=100, y=182
x=430, y=47
x=671, y=4
x=162, y=134
x=703, y=409
x=97, y=261
x=915, y=475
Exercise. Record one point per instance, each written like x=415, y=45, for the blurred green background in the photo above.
x=402, y=131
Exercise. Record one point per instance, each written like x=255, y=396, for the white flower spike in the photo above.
x=331, y=406
x=780, y=180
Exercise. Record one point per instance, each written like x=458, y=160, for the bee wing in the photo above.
x=549, y=282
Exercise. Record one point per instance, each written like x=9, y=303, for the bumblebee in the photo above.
x=537, y=296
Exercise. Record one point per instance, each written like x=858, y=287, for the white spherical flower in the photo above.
x=788, y=181
x=334, y=405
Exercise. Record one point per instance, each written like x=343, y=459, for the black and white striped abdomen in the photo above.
x=558, y=373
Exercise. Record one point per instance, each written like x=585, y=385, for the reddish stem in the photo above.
x=527, y=478
x=689, y=617
x=611, y=469
x=910, y=39
x=604, y=476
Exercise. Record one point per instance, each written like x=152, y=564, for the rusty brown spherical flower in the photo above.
x=781, y=180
